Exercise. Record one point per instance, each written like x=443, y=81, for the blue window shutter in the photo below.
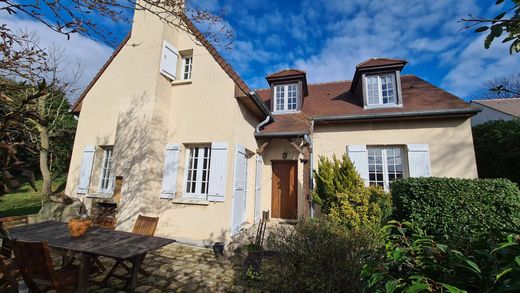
x=170, y=170
x=86, y=169
x=218, y=171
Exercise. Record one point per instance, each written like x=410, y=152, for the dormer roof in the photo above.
x=289, y=75
x=381, y=62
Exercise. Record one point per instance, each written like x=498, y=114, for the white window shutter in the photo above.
x=112, y=184
x=419, y=160
x=170, y=169
x=258, y=187
x=217, y=172
x=359, y=156
x=169, y=57
x=86, y=169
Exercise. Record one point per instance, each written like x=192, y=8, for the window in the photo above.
x=380, y=89
x=385, y=164
x=186, y=67
x=197, y=171
x=286, y=98
x=106, y=165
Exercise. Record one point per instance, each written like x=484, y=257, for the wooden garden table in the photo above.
x=96, y=242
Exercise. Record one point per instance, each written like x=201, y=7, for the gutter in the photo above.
x=260, y=104
x=467, y=111
x=280, y=134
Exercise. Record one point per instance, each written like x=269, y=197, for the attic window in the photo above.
x=380, y=90
x=286, y=98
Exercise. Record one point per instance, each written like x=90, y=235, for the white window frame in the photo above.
x=384, y=158
x=380, y=90
x=106, y=168
x=190, y=67
x=285, y=108
x=199, y=169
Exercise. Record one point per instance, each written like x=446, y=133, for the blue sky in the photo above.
x=327, y=38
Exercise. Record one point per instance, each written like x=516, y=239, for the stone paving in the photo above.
x=181, y=268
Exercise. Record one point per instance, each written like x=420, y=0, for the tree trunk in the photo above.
x=44, y=162
x=44, y=151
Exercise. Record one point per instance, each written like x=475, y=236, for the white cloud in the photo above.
x=79, y=51
x=475, y=65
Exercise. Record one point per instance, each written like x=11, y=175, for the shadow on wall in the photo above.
x=141, y=137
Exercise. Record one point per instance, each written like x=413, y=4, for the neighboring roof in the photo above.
x=510, y=106
x=286, y=72
x=376, y=62
x=76, y=108
x=333, y=99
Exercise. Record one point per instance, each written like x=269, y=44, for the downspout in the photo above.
x=307, y=138
x=262, y=124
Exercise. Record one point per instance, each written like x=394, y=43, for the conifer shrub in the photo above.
x=342, y=196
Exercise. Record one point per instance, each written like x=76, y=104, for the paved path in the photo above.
x=181, y=268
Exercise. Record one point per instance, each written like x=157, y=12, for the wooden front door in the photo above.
x=284, y=192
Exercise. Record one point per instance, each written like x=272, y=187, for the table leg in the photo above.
x=84, y=272
x=136, y=267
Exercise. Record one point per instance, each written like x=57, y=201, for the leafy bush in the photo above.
x=497, y=149
x=411, y=261
x=318, y=255
x=342, y=195
x=460, y=212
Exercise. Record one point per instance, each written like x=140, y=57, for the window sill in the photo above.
x=368, y=107
x=100, y=195
x=181, y=81
x=286, y=112
x=190, y=201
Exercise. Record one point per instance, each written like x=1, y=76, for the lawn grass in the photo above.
x=25, y=201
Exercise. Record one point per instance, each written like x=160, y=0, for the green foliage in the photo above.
x=497, y=149
x=411, y=261
x=342, y=195
x=318, y=255
x=506, y=22
x=507, y=256
x=463, y=213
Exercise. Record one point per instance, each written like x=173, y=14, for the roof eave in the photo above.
x=429, y=113
x=281, y=134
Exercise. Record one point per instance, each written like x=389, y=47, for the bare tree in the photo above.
x=83, y=16
x=500, y=88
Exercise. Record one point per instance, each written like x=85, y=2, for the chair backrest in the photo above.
x=105, y=222
x=9, y=222
x=34, y=262
x=145, y=225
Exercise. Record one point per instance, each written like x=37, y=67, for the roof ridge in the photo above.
x=309, y=84
x=287, y=69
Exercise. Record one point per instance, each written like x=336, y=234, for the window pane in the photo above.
x=394, y=163
x=279, y=91
x=106, y=165
x=186, y=73
x=292, y=97
x=375, y=166
x=372, y=90
x=387, y=89
x=197, y=177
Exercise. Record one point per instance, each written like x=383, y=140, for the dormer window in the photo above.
x=286, y=97
x=380, y=90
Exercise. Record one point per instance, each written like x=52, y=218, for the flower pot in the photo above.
x=78, y=227
x=218, y=248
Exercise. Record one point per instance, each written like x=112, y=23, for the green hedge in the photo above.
x=460, y=212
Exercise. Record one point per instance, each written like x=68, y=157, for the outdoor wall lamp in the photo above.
x=284, y=155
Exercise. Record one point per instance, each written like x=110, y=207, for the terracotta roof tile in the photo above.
x=286, y=72
x=375, y=62
x=334, y=99
x=509, y=106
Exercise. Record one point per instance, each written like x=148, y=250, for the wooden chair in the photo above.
x=143, y=226
x=5, y=224
x=104, y=222
x=8, y=275
x=35, y=264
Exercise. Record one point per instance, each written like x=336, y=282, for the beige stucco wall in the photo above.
x=450, y=141
x=273, y=152
x=139, y=111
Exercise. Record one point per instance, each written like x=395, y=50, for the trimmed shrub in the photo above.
x=497, y=149
x=459, y=212
x=318, y=255
x=342, y=195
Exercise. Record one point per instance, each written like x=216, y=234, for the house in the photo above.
x=167, y=128
x=496, y=109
